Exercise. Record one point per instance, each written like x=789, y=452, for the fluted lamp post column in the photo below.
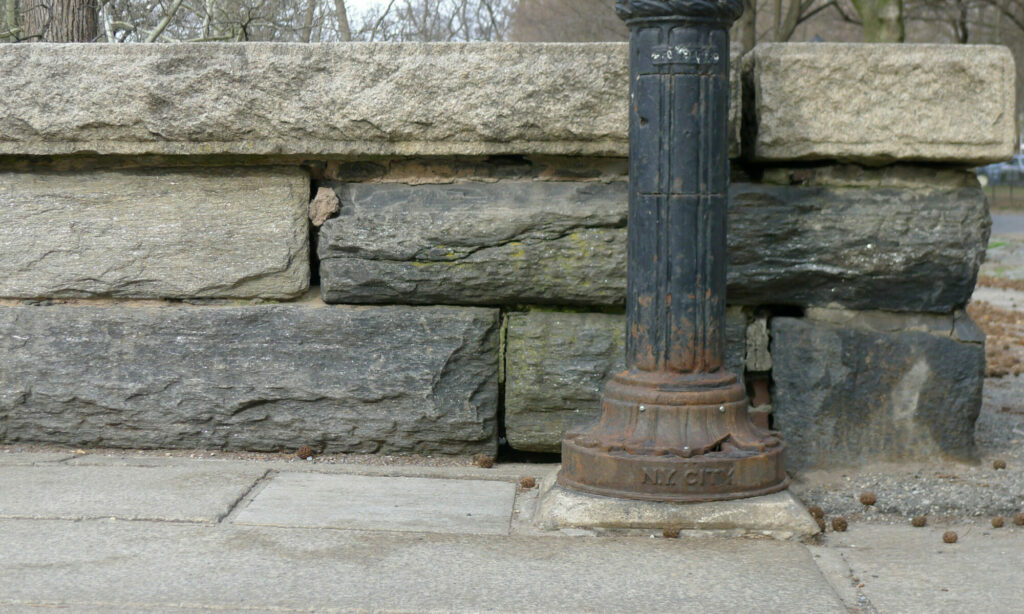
x=675, y=425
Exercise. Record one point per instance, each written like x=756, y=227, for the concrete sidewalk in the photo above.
x=94, y=533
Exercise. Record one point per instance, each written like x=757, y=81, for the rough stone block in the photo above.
x=339, y=379
x=883, y=248
x=880, y=103
x=326, y=99
x=565, y=243
x=476, y=244
x=271, y=99
x=556, y=365
x=227, y=233
x=853, y=388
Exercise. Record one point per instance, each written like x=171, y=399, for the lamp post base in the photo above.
x=681, y=438
x=779, y=515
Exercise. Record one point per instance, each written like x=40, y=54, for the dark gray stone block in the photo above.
x=853, y=388
x=339, y=379
x=565, y=243
x=476, y=244
x=884, y=248
x=556, y=365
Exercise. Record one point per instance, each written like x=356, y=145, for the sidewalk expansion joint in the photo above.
x=239, y=504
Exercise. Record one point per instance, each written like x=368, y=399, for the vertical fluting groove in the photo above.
x=665, y=161
x=699, y=233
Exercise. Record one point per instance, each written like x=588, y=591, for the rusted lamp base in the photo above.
x=681, y=438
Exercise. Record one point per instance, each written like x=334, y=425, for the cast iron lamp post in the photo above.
x=675, y=425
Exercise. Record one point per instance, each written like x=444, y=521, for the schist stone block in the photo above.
x=519, y=242
x=398, y=380
x=858, y=387
x=163, y=233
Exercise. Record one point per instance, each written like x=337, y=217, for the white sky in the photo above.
x=358, y=6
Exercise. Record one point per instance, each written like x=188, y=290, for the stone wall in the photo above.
x=161, y=284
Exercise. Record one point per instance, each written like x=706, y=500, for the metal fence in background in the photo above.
x=1004, y=184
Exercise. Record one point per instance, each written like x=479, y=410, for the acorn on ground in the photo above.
x=949, y=537
x=527, y=483
x=997, y=522
x=868, y=498
x=839, y=524
x=482, y=460
x=919, y=521
x=999, y=464
x=1018, y=519
x=304, y=452
x=816, y=512
x=670, y=533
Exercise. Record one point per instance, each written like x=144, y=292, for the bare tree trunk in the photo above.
x=883, y=20
x=746, y=27
x=307, y=21
x=344, y=30
x=61, y=21
x=10, y=19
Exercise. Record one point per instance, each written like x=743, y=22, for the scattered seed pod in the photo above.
x=949, y=537
x=997, y=522
x=816, y=511
x=1018, y=519
x=821, y=524
x=999, y=464
x=304, y=452
x=868, y=498
x=528, y=483
x=839, y=524
x=919, y=521
x=482, y=460
x=670, y=533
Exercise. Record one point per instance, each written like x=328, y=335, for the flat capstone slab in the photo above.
x=880, y=102
x=173, y=567
x=314, y=500
x=192, y=493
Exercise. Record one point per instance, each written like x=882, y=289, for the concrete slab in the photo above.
x=8, y=459
x=384, y=466
x=82, y=565
x=904, y=569
x=182, y=493
x=778, y=515
x=385, y=504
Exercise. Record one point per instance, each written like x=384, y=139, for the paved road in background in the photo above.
x=1008, y=223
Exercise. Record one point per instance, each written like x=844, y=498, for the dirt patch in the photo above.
x=1004, y=343
x=998, y=282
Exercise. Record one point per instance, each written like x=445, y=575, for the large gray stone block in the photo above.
x=272, y=99
x=340, y=379
x=565, y=243
x=556, y=365
x=897, y=249
x=186, y=233
x=476, y=244
x=852, y=388
x=879, y=103
x=309, y=100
